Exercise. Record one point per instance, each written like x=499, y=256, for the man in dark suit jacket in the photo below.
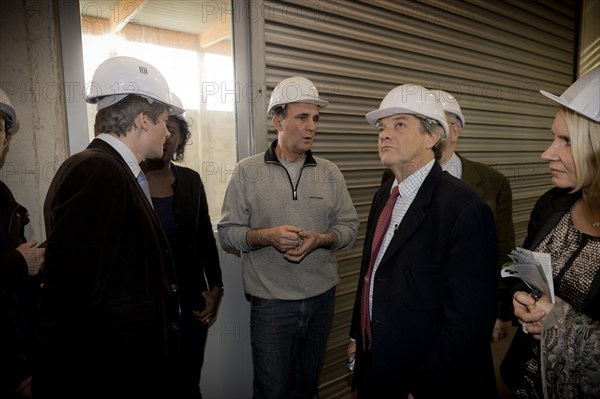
x=492, y=186
x=430, y=295
x=108, y=312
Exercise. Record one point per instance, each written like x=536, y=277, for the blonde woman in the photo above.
x=556, y=353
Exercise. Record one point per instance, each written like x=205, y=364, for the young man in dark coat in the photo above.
x=109, y=308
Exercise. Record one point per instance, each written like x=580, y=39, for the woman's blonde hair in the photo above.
x=585, y=148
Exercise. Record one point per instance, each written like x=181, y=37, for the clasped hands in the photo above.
x=294, y=242
x=532, y=313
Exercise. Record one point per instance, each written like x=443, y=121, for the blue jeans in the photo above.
x=288, y=345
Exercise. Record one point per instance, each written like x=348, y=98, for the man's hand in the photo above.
x=351, y=354
x=309, y=241
x=33, y=256
x=283, y=237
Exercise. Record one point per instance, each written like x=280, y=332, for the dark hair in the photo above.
x=280, y=111
x=119, y=117
x=184, y=131
x=8, y=129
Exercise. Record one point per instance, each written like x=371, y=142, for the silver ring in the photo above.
x=524, y=329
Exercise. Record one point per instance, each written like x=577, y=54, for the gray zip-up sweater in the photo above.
x=261, y=194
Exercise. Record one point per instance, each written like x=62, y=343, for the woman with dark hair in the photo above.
x=180, y=202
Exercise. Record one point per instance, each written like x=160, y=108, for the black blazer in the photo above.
x=19, y=294
x=434, y=299
x=108, y=312
x=546, y=213
x=194, y=248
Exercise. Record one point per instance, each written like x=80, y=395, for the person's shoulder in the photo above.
x=483, y=169
x=324, y=161
x=187, y=172
x=92, y=158
x=456, y=190
x=253, y=159
x=6, y=196
x=556, y=194
x=553, y=200
x=446, y=179
x=4, y=187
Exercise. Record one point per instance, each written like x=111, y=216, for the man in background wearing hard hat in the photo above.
x=108, y=309
x=426, y=303
x=286, y=210
x=493, y=188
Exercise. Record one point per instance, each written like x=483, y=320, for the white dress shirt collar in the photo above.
x=123, y=150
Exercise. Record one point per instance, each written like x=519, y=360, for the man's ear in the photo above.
x=276, y=121
x=141, y=121
x=432, y=139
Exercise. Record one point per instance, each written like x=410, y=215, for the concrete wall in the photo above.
x=30, y=73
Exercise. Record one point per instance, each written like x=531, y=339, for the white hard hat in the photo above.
x=583, y=96
x=410, y=99
x=450, y=104
x=117, y=77
x=296, y=89
x=7, y=109
x=177, y=102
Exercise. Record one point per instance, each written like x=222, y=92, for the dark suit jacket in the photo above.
x=434, y=299
x=494, y=188
x=108, y=313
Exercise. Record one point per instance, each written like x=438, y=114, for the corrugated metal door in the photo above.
x=493, y=56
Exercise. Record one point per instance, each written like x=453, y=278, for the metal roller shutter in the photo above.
x=493, y=56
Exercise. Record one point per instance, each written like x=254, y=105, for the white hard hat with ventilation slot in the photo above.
x=450, y=104
x=296, y=89
x=117, y=77
x=410, y=99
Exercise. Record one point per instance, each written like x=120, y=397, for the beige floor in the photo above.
x=498, y=351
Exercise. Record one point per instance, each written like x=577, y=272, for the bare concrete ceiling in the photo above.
x=188, y=16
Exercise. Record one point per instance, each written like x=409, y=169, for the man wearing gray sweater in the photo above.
x=286, y=210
